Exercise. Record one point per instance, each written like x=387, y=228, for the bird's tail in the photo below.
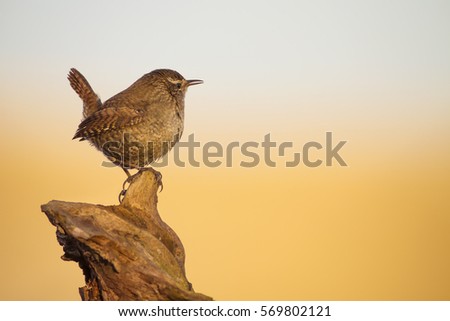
x=91, y=102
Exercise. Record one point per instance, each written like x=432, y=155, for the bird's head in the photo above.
x=174, y=83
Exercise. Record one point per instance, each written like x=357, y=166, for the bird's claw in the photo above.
x=158, y=176
x=122, y=195
x=129, y=180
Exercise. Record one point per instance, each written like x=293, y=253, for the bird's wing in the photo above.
x=91, y=102
x=107, y=119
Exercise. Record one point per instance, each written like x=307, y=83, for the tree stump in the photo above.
x=126, y=251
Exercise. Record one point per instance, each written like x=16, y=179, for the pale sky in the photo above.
x=272, y=62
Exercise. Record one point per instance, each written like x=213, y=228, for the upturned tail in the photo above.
x=91, y=102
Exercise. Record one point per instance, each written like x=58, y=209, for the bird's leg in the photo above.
x=128, y=180
x=126, y=171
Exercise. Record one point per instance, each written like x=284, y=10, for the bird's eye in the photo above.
x=179, y=85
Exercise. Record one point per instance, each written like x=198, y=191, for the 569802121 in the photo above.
x=295, y=311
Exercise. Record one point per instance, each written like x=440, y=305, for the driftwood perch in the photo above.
x=126, y=251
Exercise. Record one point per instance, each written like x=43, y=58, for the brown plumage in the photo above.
x=138, y=125
x=91, y=102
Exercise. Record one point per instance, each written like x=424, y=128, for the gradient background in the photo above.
x=375, y=73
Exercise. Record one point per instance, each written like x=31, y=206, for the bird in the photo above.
x=138, y=125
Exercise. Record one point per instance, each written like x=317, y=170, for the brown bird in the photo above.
x=138, y=125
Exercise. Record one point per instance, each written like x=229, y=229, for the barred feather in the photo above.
x=107, y=119
x=91, y=102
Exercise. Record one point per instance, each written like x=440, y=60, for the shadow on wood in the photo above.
x=126, y=251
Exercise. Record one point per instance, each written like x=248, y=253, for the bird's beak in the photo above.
x=194, y=82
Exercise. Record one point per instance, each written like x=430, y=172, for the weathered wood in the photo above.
x=126, y=251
